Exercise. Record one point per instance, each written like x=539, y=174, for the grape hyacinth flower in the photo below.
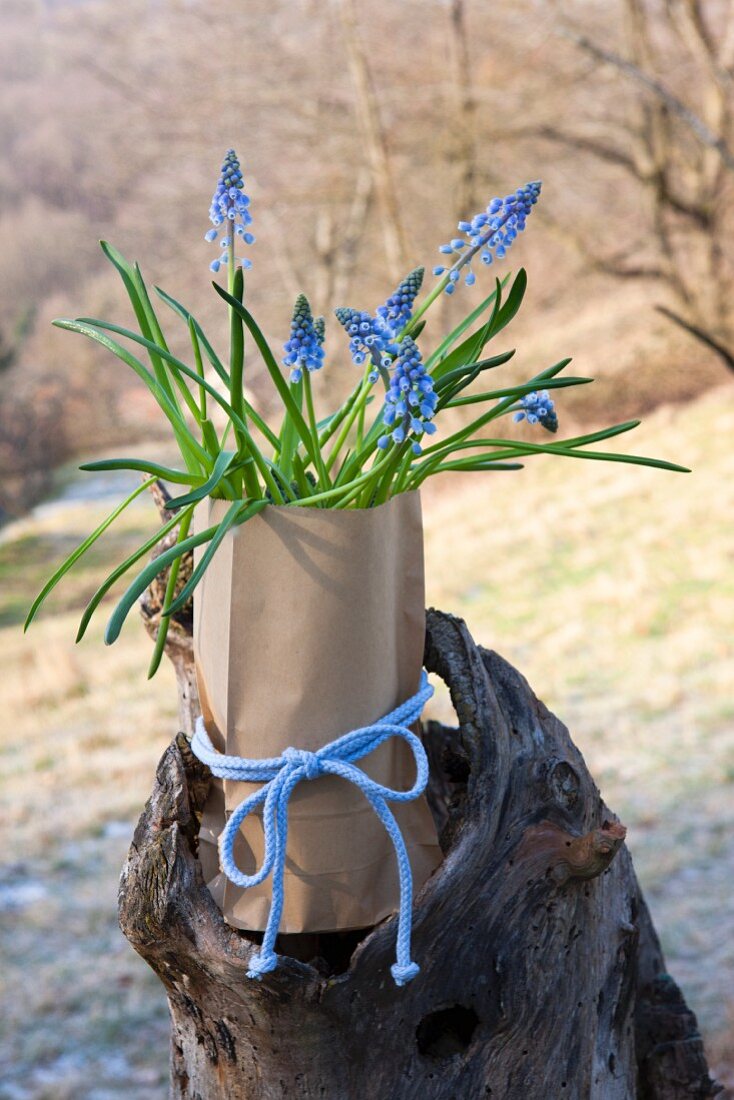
x=490, y=233
x=398, y=309
x=369, y=338
x=374, y=337
x=304, y=351
x=230, y=209
x=539, y=409
x=410, y=402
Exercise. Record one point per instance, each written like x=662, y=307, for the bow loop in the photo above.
x=281, y=775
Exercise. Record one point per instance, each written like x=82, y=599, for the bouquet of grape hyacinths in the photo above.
x=385, y=439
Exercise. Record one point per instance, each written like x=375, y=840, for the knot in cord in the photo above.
x=302, y=758
x=280, y=775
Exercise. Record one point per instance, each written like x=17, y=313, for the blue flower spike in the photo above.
x=489, y=234
x=410, y=401
x=398, y=309
x=538, y=408
x=230, y=209
x=369, y=338
x=304, y=349
x=374, y=338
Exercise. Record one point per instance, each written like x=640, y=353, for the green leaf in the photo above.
x=82, y=549
x=513, y=303
x=164, y=620
x=516, y=391
x=209, y=435
x=131, y=280
x=234, y=515
x=184, y=314
x=161, y=353
x=469, y=350
x=196, y=348
x=305, y=488
x=288, y=442
x=279, y=381
x=156, y=333
x=165, y=473
x=191, y=450
x=633, y=460
x=461, y=377
x=120, y=571
x=244, y=436
x=568, y=452
x=461, y=328
x=133, y=592
x=222, y=464
x=146, y=575
x=472, y=465
x=260, y=424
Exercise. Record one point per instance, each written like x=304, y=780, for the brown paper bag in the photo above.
x=309, y=623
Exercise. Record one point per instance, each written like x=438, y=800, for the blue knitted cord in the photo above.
x=281, y=774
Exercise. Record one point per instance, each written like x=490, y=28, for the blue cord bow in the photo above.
x=281, y=774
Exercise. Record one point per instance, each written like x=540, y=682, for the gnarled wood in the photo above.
x=541, y=974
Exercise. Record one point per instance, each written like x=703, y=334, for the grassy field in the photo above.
x=610, y=587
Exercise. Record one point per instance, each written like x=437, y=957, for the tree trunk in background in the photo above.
x=368, y=113
x=541, y=974
x=465, y=109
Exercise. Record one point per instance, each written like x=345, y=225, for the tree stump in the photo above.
x=541, y=974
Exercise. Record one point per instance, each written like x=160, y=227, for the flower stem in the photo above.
x=320, y=465
x=357, y=409
x=466, y=257
x=230, y=257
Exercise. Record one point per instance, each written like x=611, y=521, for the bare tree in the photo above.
x=680, y=157
x=396, y=249
x=465, y=108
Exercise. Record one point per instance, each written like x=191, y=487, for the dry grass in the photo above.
x=610, y=587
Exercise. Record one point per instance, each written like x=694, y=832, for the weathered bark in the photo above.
x=541, y=974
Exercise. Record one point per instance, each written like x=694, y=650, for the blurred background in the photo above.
x=365, y=131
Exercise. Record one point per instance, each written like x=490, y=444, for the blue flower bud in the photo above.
x=304, y=348
x=538, y=408
x=397, y=310
x=490, y=233
x=228, y=206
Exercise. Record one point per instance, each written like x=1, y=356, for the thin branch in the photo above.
x=675, y=105
x=602, y=151
x=701, y=335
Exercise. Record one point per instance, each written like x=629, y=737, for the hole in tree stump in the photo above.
x=447, y=1032
x=329, y=952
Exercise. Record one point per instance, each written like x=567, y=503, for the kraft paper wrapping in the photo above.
x=309, y=623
